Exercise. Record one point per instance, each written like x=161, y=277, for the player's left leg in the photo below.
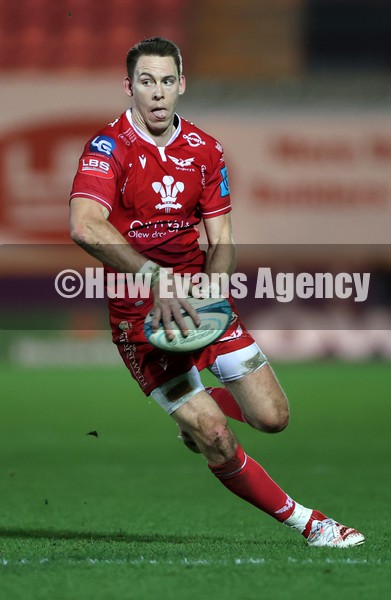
x=265, y=407
x=251, y=383
x=256, y=399
x=262, y=400
x=252, y=393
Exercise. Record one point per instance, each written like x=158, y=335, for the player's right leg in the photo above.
x=197, y=414
x=207, y=426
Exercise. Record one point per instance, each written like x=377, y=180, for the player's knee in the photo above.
x=273, y=421
x=215, y=437
x=215, y=434
x=277, y=422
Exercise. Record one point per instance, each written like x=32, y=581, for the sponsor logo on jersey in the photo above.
x=103, y=144
x=156, y=229
x=224, y=185
x=234, y=335
x=123, y=137
x=182, y=162
x=203, y=176
x=97, y=167
x=128, y=136
x=125, y=184
x=194, y=140
x=168, y=189
x=143, y=160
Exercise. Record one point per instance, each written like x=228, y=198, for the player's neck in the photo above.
x=163, y=138
x=160, y=138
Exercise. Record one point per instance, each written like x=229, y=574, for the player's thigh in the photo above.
x=262, y=399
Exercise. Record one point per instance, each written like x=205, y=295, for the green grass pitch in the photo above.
x=132, y=514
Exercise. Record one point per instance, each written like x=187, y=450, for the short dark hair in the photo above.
x=155, y=46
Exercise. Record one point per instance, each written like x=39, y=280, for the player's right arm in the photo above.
x=90, y=229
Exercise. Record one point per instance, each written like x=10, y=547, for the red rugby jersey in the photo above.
x=156, y=195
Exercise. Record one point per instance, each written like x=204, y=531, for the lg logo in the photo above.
x=103, y=144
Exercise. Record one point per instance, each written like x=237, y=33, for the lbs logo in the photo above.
x=103, y=144
x=94, y=166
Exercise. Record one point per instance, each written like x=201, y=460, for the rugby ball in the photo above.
x=215, y=315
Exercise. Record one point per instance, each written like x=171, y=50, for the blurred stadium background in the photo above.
x=297, y=91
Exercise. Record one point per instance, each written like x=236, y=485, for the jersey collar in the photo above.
x=146, y=137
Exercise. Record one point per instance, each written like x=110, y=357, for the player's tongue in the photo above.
x=160, y=113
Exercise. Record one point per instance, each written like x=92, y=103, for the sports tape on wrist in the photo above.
x=155, y=270
x=148, y=267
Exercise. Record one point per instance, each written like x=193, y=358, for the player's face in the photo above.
x=156, y=87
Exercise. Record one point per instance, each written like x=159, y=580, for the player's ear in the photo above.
x=128, y=87
x=182, y=85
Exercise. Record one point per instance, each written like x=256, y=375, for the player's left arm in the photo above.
x=221, y=253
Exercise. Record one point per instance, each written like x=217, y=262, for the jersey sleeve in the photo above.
x=98, y=172
x=215, y=199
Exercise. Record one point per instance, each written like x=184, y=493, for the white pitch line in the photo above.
x=190, y=561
